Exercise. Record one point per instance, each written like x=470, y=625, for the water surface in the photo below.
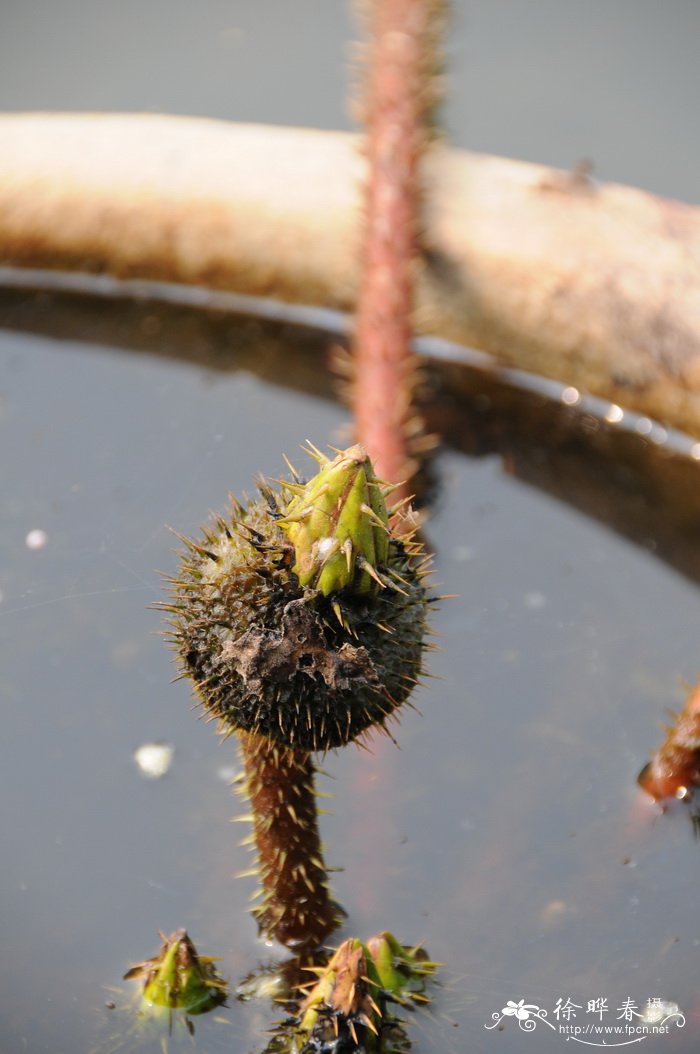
x=506, y=833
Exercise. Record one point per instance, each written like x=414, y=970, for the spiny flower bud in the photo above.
x=348, y=1007
x=179, y=978
x=339, y=527
x=301, y=616
x=342, y=993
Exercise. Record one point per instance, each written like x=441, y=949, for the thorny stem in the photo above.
x=296, y=907
x=398, y=101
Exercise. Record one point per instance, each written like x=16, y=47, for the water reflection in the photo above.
x=507, y=835
x=627, y=478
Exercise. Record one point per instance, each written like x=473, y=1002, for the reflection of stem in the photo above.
x=296, y=908
x=398, y=99
x=397, y=103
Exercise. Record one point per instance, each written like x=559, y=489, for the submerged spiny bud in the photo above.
x=302, y=616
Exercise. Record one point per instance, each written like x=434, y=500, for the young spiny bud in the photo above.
x=178, y=978
x=339, y=527
x=301, y=616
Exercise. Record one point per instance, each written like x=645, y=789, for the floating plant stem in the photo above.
x=301, y=619
x=674, y=770
x=399, y=98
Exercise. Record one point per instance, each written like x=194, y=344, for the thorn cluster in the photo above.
x=301, y=616
x=339, y=527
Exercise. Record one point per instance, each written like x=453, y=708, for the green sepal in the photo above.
x=400, y=970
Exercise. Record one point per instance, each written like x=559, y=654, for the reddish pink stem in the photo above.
x=396, y=105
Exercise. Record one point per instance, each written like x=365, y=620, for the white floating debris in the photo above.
x=464, y=552
x=644, y=426
x=614, y=414
x=554, y=913
x=695, y=451
x=534, y=601
x=570, y=396
x=154, y=759
x=36, y=539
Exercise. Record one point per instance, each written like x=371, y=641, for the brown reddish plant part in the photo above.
x=296, y=906
x=400, y=96
x=674, y=770
x=341, y=1003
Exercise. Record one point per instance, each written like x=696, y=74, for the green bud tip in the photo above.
x=339, y=527
x=179, y=978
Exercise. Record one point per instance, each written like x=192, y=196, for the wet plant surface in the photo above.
x=507, y=834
